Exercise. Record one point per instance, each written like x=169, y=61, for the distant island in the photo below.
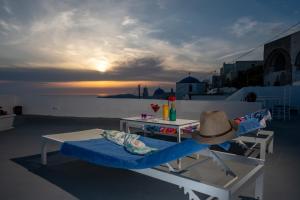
x=120, y=96
x=159, y=93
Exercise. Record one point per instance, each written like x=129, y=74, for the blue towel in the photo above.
x=248, y=126
x=106, y=153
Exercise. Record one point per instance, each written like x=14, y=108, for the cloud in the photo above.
x=141, y=69
x=250, y=34
x=72, y=37
x=236, y=53
x=75, y=35
x=243, y=26
x=129, y=21
x=59, y=88
x=7, y=8
x=5, y=26
x=148, y=71
x=151, y=68
x=162, y=4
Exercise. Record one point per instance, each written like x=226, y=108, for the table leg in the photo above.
x=127, y=128
x=125, y=124
x=178, y=135
x=121, y=125
x=179, y=140
x=145, y=134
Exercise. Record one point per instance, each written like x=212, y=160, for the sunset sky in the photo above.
x=111, y=46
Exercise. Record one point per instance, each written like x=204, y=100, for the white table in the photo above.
x=138, y=122
x=265, y=143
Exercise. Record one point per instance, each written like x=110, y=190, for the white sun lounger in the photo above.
x=185, y=179
x=263, y=139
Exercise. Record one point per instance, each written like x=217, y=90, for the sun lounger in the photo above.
x=261, y=143
x=90, y=146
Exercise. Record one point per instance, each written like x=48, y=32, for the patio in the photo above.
x=22, y=177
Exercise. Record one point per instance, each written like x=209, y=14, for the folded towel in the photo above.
x=260, y=116
x=129, y=141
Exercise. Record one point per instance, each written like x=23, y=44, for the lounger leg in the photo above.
x=190, y=193
x=270, y=147
x=259, y=187
x=224, y=197
x=262, y=150
x=44, y=153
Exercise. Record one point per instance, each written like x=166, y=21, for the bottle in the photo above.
x=172, y=114
x=165, y=112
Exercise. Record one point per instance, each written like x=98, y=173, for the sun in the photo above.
x=102, y=65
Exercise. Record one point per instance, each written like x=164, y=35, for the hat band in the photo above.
x=217, y=135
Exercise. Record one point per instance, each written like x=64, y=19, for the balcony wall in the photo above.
x=281, y=92
x=86, y=106
x=7, y=102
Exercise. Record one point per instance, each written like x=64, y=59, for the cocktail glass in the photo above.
x=155, y=108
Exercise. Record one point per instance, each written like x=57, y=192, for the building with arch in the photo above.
x=282, y=60
x=189, y=86
x=159, y=93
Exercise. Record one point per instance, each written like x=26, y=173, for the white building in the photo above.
x=188, y=87
x=282, y=60
x=230, y=71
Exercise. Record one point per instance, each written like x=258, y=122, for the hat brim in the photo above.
x=216, y=140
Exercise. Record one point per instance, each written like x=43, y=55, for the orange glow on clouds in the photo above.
x=105, y=84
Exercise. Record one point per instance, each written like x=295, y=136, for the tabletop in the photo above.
x=178, y=122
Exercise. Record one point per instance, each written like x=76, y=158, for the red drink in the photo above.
x=155, y=107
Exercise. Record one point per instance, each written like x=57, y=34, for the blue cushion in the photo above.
x=106, y=153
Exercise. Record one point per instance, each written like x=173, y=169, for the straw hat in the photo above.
x=215, y=128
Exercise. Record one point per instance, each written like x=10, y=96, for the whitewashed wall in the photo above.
x=272, y=91
x=209, y=97
x=81, y=106
x=7, y=102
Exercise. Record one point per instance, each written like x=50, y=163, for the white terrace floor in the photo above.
x=22, y=177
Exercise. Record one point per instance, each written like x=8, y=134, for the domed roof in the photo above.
x=158, y=92
x=189, y=79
